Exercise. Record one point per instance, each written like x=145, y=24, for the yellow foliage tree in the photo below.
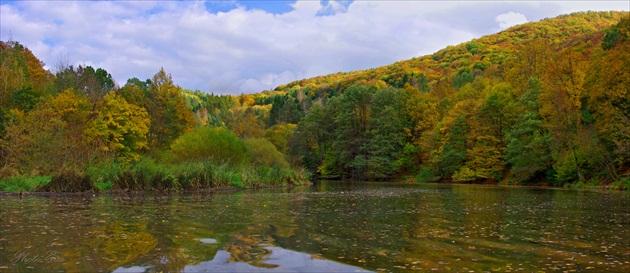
x=279, y=135
x=120, y=128
x=50, y=137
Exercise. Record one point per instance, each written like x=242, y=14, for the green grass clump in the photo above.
x=227, y=175
x=104, y=173
x=426, y=175
x=146, y=174
x=622, y=184
x=196, y=175
x=23, y=183
x=104, y=186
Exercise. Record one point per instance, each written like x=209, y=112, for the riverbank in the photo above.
x=144, y=192
x=623, y=184
x=147, y=175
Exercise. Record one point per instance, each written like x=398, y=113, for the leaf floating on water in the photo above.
x=208, y=240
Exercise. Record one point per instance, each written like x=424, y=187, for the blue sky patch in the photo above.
x=274, y=7
x=270, y=6
x=328, y=10
x=220, y=6
x=50, y=42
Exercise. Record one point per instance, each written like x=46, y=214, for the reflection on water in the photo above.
x=278, y=260
x=330, y=227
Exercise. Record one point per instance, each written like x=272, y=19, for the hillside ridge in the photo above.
x=493, y=47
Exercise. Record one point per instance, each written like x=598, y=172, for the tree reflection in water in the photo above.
x=328, y=227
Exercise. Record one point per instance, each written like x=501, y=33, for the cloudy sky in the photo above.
x=248, y=46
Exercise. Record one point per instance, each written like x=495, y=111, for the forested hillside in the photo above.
x=544, y=102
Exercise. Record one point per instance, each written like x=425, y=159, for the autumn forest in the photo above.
x=543, y=103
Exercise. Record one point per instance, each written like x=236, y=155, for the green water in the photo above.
x=329, y=227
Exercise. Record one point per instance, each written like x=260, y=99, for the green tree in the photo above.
x=453, y=154
x=170, y=117
x=143, y=85
x=528, y=141
x=284, y=109
x=313, y=137
x=93, y=83
x=353, y=129
x=616, y=34
x=386, y=134
x=463, y=77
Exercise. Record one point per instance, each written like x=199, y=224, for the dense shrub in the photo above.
x=215, y=144
x=69, y=181
x=263, y=152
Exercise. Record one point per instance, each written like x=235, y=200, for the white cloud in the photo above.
x=510, y=19
x=249, y=50
x=574, y=6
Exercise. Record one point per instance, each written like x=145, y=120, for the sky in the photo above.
x=234, y=47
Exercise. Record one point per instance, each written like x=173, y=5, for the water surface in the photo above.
x=330, y=227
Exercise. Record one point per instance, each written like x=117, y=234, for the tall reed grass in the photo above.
x=23, y=183
x=146, y=174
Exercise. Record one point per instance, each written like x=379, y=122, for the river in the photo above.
x=328, y=227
